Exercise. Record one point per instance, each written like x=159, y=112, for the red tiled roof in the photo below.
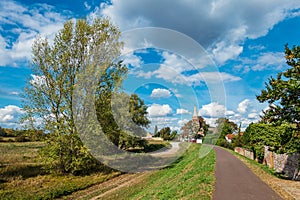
x=230, y=136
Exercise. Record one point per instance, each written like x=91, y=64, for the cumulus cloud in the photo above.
x=160, y=93
x=217, y=25
x=182, y=122
x=157, y=110
x=9, y=116
x=213, y=110
x=263, y=61
x=132, y=60
x=182, y=111
x=244, y=106
x=253, y=116
x=26, y=22
x=270, y=60
x=176, y=70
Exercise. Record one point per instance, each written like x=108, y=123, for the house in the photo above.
x=229, y=137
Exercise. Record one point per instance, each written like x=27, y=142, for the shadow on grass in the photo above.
x=25, y=171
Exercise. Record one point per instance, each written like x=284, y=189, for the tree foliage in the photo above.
x=192, y=128
x=166, y=133
x=283, y=92
x=281, y=138
x=121, y=116
x=48, y=96
x=224, y=127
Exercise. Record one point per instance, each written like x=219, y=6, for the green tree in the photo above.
x=49, y=95
x=138, y=111
x=166, y=133
x=283, y=92
x=224, y=127
x=155, y=130
x=173, y=135
x=279, y=138
x=108, y=85
x=2, y=132
x=192, y=128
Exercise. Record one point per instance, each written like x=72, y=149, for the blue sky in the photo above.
x=213, y=54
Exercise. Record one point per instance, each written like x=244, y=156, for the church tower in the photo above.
x=195, y=115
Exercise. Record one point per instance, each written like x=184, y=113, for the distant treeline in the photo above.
x=20, y=135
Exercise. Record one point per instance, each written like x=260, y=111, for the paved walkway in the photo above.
x=235, y=181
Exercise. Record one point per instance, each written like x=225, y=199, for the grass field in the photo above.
x=21, y=176
x=190, y=177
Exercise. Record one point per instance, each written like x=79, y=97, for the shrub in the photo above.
x=21, y=138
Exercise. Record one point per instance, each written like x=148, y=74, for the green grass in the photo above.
x=190, y=177
x=21, y=176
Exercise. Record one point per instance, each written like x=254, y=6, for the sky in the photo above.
x=214, y=54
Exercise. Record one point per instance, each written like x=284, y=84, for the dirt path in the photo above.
x=235, y=181
x=101, y=190
x=169, y=152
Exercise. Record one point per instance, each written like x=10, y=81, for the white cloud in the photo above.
x=229, y=113
x=9, y=116
x=244, y=106
x=213, y=110
x=182, y=122
x=86, y=5
x=26, y=22
x=217, y=25
x=262, y=61
x=176, y=70
x=182, y=111
x=133, y=60
x=161, y=122
x=14, y=93
x=270, y=60
x=160, y=93
x=157, y=110
x=253, y=116
x=224, y=51
x=211, y=121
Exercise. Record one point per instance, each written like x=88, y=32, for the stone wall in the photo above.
x=287, y=164
x=244, y=152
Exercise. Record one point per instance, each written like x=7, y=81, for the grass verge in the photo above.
x=190, y=177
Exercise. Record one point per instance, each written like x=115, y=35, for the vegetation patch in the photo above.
x=22, y=177
x=190, y=177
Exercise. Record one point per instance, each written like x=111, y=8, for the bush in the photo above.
x=224, y=143
x=21, y=138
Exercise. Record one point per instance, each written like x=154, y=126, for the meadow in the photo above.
x=22, y=177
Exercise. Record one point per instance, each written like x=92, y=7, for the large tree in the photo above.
x=192, y=128
x=283, y=92
x=166, y=133
x=49, y=95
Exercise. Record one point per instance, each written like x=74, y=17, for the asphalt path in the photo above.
x=235, y=181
